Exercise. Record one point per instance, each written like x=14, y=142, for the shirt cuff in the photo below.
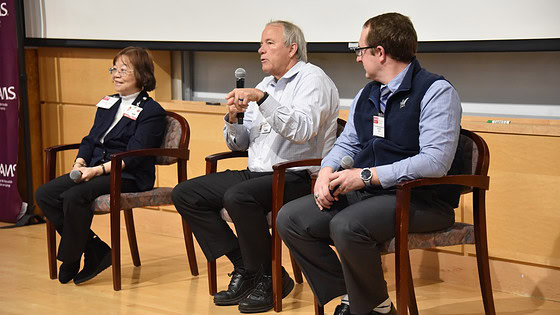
x=231, y=128
x=331, y=163
x=386, y=176
x=269, y=106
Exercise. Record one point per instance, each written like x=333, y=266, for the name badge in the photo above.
x=107, y=102
x=379, y=126
x=132, y=111
x=265, y=128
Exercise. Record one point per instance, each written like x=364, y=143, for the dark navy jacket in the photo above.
x=145, y=132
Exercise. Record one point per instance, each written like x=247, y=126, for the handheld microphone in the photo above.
x=76, y=176
x=239, y=84
x=347, y=162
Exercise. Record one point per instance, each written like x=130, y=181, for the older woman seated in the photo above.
x=128, y=120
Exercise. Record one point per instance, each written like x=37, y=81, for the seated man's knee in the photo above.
x=284, y=221
x=344, y=231
x=185, y=195
x=234, y=198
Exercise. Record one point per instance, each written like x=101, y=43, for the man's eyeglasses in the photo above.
x=121, y=71
x=361, y=50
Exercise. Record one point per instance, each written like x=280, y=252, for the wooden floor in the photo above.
x=164, y=285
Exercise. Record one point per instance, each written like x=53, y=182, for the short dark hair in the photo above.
x=143, y=64
x=395, y=33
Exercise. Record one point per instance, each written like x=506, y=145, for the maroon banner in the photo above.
x=10, y=200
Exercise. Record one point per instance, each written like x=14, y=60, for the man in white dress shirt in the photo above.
x=291, y=115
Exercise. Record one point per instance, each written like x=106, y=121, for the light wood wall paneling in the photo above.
x=80, y=76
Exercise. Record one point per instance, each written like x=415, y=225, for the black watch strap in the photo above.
x=259, y=102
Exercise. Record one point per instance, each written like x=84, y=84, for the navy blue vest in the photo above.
x=402, y=118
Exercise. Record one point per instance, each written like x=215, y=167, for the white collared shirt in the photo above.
x=125, y=101
x=298, y=120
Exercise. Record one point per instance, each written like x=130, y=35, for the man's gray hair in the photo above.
x=293, y=34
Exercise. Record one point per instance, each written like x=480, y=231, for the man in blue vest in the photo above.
x=403, y=125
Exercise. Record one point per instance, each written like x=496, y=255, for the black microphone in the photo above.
x=346, y=162
x=239, y=84
x=76, y=176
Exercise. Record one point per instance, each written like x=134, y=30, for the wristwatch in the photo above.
x=366, y=176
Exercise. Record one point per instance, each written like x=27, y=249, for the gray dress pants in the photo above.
x=355, y=225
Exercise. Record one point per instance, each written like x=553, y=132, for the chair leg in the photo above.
x=297, y=271
x=189, y=244
x=319, y=309
x=51, y=249
x=412, y=306
x=212, y=281
x=276, y=270
x=481, y=246
x=116, y=248
x=484, y=278
x=131, y=232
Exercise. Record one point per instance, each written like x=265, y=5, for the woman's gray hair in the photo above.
x=293, y=34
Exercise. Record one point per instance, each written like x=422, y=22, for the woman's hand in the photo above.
x=78, y=164
x=90, y=172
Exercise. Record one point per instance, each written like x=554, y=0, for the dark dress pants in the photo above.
x=355, y=224
x=247, y=196
x=68, y=206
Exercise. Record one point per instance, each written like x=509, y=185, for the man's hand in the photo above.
x=349, y=180
x=345, y=181
x=240, y=98
x=321, y=192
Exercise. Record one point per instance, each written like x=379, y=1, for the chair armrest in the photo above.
x=212, y=160
x=62, y=147
x=226, y=155
x=403, y=202
x=284, y=165
x=478, y=181
x=178, y=153
x=50, y=167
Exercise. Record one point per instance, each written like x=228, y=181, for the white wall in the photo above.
x=322, y=21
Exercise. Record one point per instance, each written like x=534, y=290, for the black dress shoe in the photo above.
x=239, y=287
x=97, y=258
x=342, y=309
x=68, y=271
x=260, y=299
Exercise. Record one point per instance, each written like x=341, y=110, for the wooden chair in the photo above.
x=277, y=202
x=174, y=149
x=475, y=180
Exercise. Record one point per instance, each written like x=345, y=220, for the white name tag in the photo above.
x=265, y=128
x=132, y=111
x=107, y=102
x=379, y=126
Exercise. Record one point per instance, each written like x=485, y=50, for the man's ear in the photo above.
x=293, y=49
x=380, y=53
